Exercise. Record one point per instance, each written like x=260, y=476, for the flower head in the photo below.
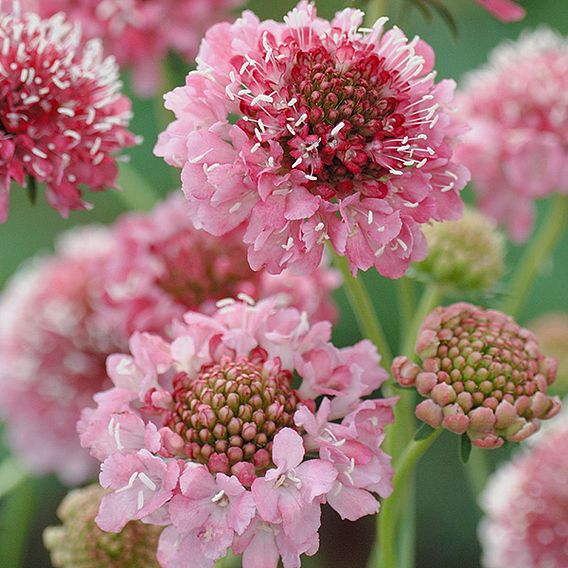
x=482, y=374
x=468, y=254
x=309, y=131
x=241, y=457
x=140, y=33
x=551, y=330
x=62, y=113
x=78, y=541
x=517, y=149
x=526, y=505
x=505, y=10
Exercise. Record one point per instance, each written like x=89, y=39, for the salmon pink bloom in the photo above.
x=526, y=505
x=63, y=117
x=256, y=460
x=482, y=375
x=140, y=33
x=517, y=149
x=311, y=131
x=505, y=10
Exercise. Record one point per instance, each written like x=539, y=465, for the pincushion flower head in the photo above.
x=517, y=149
x=526, y=505
x=63, y=117
x=234, y=434
x=482, y=375
x=162, y=266
x=79, y=542
x=140, y=33
x=311, y=131
x=52, y=357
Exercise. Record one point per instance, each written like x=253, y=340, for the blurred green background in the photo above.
x=447, y=514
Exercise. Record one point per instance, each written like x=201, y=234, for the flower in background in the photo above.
x=551, y=329
x=208, y=435
x=63, y=117
x=482, y=374
x=61, y=316
x=526, y=505
x=312, y=131
x=141, y=33
x=517, y=150
x=162, y=267
x=79, y=542
x=465, y=255
x=505, y=10
x=52, y=357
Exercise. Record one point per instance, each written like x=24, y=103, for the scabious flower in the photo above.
x=52, y=357
x=311, y=131
x=216, y=435
x=517, y=149
x=505, y=10
x=79, y=542
x=482, y=374
x=551, y=330
x=140, y=33
x=162, y=267
x=62, y=113
x=526, y=505
x=62, y=316
x=464, y=255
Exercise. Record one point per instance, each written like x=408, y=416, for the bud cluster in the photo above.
x=483, y=374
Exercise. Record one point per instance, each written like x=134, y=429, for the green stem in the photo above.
x=388, y=515
x=537, y=253
x=477, y=471
x=11, y=475
x=363, y=309
x=406, y=301
x=375, y=10
x=135, y=191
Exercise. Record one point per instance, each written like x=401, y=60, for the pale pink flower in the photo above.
x=252, y=477
x=311, y=131
x=52, y=359
x=505, y=10
x=482, y=375
x=526, y=505
x=517, y=149
x=63, y=117
x=141, y=33
x=162, y=267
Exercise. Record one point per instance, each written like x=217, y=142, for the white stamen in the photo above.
x=147, y=482
x=245, y=298
x=235, y=207
x=337, y=129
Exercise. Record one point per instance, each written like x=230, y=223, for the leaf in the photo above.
x=425, y=431
x=465, y=448
x=424, y=8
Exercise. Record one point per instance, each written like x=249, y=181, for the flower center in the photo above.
x=231, y=412
x=343, y=124
x=198, y=269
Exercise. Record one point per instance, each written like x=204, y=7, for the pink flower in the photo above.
x=140, y=33
x=526, y=505
x=52, y=359
x=62, y=113
x=517, y=149
x=341, y=134
x=61, y=317
x=227, y=414
x=505, y=10
x=482, y=375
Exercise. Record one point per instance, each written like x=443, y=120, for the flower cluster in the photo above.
x=482, y=374
x=62, y=316
x=216, y=435
x=526, y=503
x=79, y=542
x=465, y=255
x=61, y=110
x=312, y=131
x=505, y=10
x=140, y=33
x=517, y=149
